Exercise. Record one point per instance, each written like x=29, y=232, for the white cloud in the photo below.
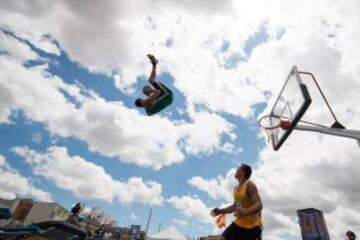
x=191, y=208
x=127, y=31
x=2, y=161
x=16, y=49
x=319, y=37
x=13, y=184
x=136, y=190
x=36, y=137
x=133, y=216
x=280, y=225
x=40, y=101
x=88, y=180
x=217, y=188
x=292, y=179
x=108, y=127
x=320, y=176
x=180, y=222
x=198, y=130
x=344, y=218
x=46, y=44
x=311, y=170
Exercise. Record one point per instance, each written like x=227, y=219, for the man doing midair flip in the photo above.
x=158, y=97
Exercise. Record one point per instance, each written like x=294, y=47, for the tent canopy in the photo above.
x=170, y=233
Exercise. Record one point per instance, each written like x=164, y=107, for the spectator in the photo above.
x=117, y=235
x=142, y=236
x=107, y=236
x=74, y=216
x=100, y=232
x=350, y=235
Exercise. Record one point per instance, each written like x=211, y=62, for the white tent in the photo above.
x=170, y=233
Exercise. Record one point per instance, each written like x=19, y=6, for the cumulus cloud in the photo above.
x=321, y=38
x=217, y=188
x=133, y=216
x=88, y=180
x=13, y=184
x=16, y=49
x=198, y=130
x=130, y=30
x=180, y=222
x=311, y=170
x=192, y=208
x=127, y=31
x=108, y=127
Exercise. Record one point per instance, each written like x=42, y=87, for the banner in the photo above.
x=312, y=224
x=134, y=232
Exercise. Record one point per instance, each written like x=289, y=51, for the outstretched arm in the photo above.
x=217, y=211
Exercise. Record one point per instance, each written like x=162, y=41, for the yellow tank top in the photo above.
x=249, y=221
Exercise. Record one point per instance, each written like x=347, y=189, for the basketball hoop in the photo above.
x=272, y=124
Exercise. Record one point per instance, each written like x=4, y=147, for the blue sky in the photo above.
x=34, y=135
x=71, y=71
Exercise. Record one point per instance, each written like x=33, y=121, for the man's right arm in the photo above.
x=228, y=209
x=217, y=211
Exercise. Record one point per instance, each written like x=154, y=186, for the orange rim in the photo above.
x=269, y=127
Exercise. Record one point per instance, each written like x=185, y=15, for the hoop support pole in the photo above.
x=331, y=131
x=321, y=92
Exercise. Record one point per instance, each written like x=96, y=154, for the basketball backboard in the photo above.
x=291, y=105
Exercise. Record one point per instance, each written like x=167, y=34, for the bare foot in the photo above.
x=153, y=60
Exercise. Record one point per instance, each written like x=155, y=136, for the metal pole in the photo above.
x=148, y=222
x=159, y=227
x=331, y=131
x=322, y=94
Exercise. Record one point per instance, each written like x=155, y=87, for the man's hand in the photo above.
x=240, y=212
x=215, y=212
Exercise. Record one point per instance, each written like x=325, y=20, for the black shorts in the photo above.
x=234, y=232
x=156, y=85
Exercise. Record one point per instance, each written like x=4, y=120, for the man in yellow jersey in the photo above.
x=247, y=208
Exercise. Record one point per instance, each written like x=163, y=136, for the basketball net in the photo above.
x=272, y=124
